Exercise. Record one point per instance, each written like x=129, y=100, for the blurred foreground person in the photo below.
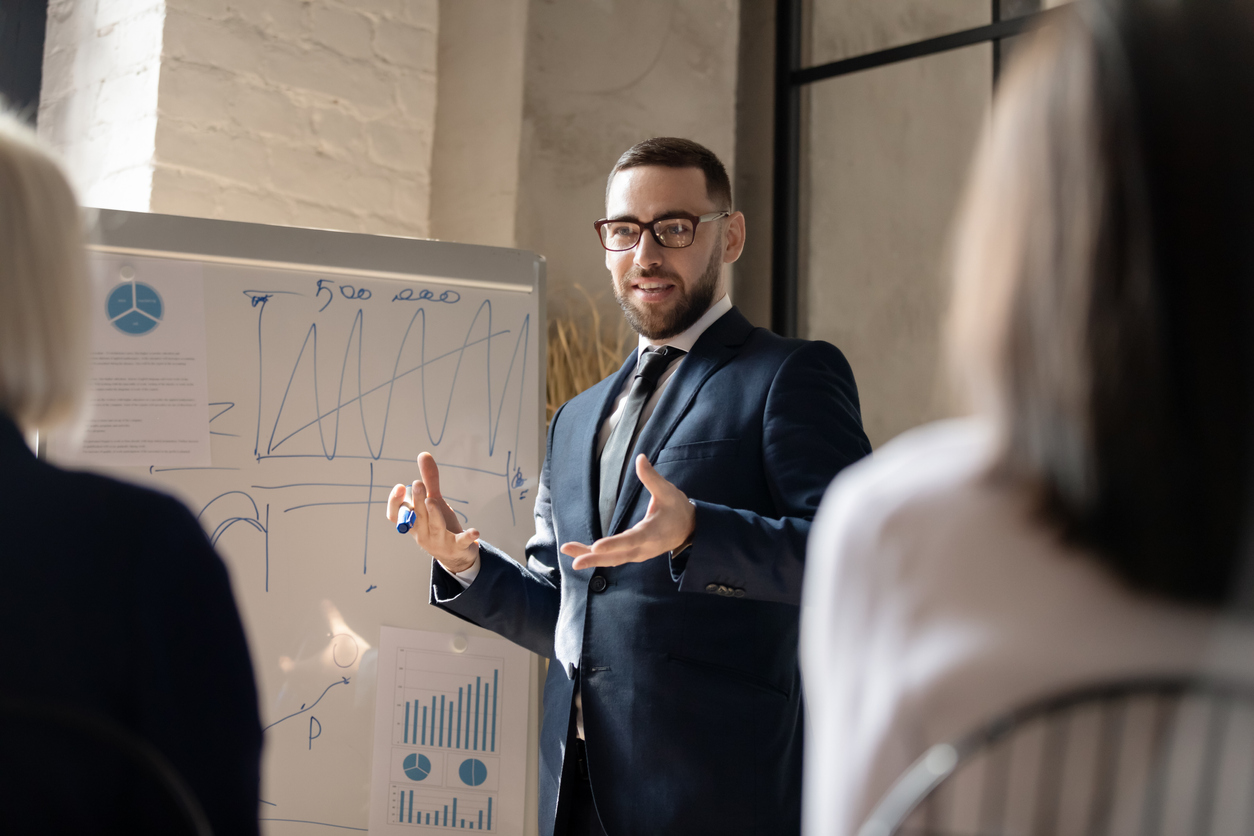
x=120, y=631
x=1090, y=522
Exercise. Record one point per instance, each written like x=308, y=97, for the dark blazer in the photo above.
x=687, y=667
x=113, y=603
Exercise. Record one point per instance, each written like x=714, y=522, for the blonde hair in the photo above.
x=44, y=288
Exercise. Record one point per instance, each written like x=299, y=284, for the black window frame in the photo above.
x=790, y=79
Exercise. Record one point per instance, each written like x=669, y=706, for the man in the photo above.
x=673, y=700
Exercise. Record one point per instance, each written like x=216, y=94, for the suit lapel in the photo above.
x=713, y=349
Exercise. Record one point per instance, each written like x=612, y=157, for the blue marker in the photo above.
x=406, y=520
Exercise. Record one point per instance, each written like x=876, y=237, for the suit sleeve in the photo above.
x=812, y=429
x=518, y=602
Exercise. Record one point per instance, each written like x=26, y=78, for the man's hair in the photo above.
x=1104, y=309
x=44, y=290
x=673, y=152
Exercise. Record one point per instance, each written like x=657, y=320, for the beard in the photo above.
x=689, y=305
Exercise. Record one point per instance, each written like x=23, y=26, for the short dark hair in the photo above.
x=674, y=152
x=1104, y=296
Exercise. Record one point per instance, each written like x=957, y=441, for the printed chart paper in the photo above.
x=450, y=742
x=148, y=401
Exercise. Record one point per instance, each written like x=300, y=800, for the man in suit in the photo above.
x=664, y=577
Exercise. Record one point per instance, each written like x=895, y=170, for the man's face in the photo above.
x=661, y=290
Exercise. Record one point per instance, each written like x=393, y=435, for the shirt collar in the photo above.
x=686, y=340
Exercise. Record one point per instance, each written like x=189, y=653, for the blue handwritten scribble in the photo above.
x=312, y=737
x=306, y=708
x=229, y=406
x=255, y=521
x=319, y=823
x=450, y=297
x=271, y=803
x=371, y=587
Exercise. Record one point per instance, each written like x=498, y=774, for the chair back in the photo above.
x=1168, y=756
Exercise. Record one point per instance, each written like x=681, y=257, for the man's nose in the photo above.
x=648, y=251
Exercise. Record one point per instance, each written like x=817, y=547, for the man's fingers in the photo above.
x=593, y=561
x=467, y=538
x=430, y=473
x=395, y=500
x=649, y=477
x=574, y=549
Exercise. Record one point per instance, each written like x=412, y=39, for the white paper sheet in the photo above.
x=149, y=401
x=450, y=750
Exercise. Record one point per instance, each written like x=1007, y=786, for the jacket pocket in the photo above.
x=743, y=677
x=698, y=450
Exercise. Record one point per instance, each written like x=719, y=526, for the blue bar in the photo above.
x=406, y=721
x=411, y=807
x=401, y=815
x=424, y=723
x=495, y=687
x=437, y=818
x=485, y=717
x=476, y=712
x=467, y=741
x=455, y=812
x=429, y=816
x=459, y=718
x=480, y=816
x=489, y=812
x=433, y=721
x=441, y=719
x=450, y=721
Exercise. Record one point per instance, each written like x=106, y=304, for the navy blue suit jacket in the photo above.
x=687, y=666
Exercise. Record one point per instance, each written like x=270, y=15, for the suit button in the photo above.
x=739, y=593
x=711, y=587
x=598, y=584
x=722, y=590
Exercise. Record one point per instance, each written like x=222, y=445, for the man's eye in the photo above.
x=623, y=230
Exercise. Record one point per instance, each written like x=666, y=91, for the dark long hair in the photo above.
x=1104, y=311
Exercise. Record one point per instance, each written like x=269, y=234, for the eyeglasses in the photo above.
x=674, y=232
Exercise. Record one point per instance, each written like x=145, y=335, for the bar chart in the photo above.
x=448, y=811
x=458, y=709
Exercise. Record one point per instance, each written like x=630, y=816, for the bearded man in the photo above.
x=664, y=578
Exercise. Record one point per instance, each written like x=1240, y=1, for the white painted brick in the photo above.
x=406, y=45
x=320, y=216
x=284, y=19
x=253, y=206
x=412, y=200
x=403, y=147
x=311, y=175
x=126, y=94
x=322, y=71
x=346, y=32
x=213, y=9
x=339, y=131
x=214, y=152
x=128, y=189
x=179, y=192
x=195, y=92
x=269, y=111
x=417, y=93
x=371, y=192
x=112, y=12
x=230, y=44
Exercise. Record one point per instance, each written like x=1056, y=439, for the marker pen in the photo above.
x=405, y=520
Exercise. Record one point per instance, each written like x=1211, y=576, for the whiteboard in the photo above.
x=333, y=360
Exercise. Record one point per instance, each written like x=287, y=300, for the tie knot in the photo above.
x=654, y=362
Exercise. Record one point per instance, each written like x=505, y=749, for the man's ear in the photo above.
x=734, y=239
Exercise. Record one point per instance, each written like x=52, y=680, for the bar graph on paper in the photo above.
x=447, y=729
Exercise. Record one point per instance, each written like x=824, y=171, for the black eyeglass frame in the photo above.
x=697, y=220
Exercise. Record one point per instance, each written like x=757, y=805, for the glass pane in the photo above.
x=836, y=29
x=886, y=152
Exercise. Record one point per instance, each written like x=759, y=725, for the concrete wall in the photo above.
x=474, y=169
x=600, y=77
x=887, y=151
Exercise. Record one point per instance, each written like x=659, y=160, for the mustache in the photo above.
x=636, y=273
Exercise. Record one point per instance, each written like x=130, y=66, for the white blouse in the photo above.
x=933, y=602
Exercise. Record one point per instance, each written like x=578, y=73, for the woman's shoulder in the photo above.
x=937, y=461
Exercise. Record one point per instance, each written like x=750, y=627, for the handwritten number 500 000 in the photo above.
x=363, y=293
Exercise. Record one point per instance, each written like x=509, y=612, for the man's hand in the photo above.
x=667, y=524
x=436, y=528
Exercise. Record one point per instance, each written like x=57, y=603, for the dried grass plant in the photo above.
x=581, y=353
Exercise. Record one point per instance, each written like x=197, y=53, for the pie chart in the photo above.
x=473, y=772
x=416, y=766
x=134, y=308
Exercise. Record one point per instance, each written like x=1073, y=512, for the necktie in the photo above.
x=614, y=457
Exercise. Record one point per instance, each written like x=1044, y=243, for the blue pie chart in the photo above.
x=473, y=772
x=416, y=766
x=134, y=308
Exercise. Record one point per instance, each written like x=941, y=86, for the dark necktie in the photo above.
x=614, y=457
